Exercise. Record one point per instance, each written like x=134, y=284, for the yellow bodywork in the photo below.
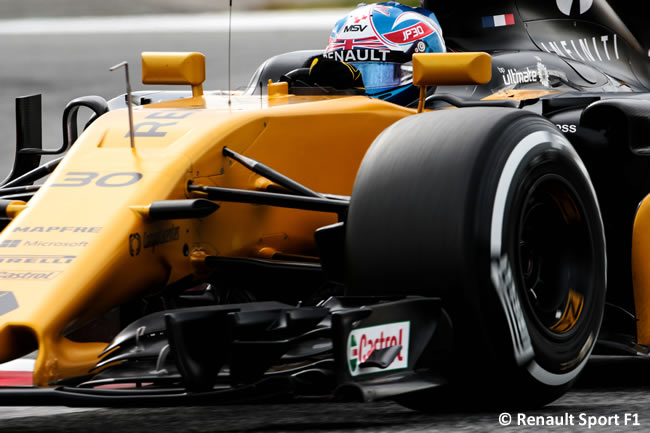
x=519, y=94
x=641, y=271
x=81, y=247
x=84, y=244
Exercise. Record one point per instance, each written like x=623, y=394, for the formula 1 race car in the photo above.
x=200, y=247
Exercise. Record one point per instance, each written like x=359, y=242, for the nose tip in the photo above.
x=7, y=302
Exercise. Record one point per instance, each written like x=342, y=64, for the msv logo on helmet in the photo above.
x=354, y=28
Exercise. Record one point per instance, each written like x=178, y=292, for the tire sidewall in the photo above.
x=533, y=151
x=420, y=223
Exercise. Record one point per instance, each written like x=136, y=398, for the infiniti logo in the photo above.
x=565, y=6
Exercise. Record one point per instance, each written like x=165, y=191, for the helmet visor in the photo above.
x=379, y=76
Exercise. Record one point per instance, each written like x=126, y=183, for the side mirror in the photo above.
x=448, y=69
x=174, y=68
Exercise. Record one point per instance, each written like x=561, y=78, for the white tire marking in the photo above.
x=524, y=353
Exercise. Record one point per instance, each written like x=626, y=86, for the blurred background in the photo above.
x=63, y=49
x=68, y=8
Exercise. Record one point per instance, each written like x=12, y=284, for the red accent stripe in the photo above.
x=510, y=19
x=409, y=34
x=16, y=378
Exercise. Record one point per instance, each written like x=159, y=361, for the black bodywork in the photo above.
x=595, y=55
x=596, y=35
x=263, y=350
x=594, y=72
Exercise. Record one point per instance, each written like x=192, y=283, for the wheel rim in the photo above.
x=553, y=256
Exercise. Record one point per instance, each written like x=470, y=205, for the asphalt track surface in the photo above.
x=63, y=64
x=614, y=397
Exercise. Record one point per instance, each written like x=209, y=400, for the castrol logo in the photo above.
x=363, y=342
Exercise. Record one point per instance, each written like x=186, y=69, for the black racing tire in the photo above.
x=492, y=210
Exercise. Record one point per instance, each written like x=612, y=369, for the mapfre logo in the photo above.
x=363, y=341
x=581, y=6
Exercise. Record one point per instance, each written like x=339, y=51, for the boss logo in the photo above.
x=567, y=129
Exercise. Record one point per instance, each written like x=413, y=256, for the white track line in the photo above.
x=9, y=412
x=317, y=19
x=22, y=364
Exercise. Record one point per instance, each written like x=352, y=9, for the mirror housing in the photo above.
x=448, y=69
x=174, y=68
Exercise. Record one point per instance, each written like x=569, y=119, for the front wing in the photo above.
x=346, y=348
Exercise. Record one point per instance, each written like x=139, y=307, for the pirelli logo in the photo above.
x=37, y=259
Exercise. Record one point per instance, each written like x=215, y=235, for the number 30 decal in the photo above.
x=113, y=180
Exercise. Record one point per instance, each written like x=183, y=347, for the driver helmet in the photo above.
x=379, y=40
